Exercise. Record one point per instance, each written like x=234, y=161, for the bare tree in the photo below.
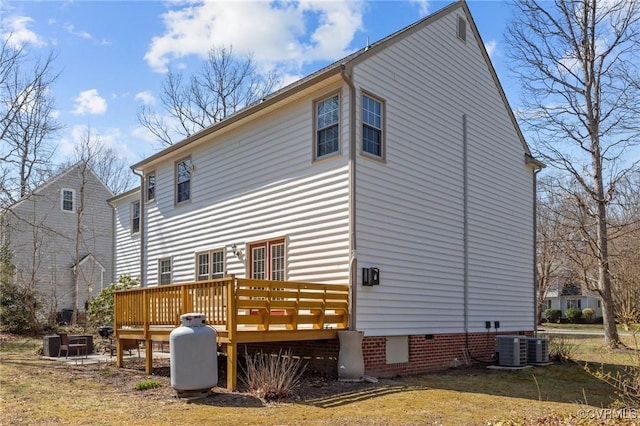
x=552, y=234
x=105, y=162
x=26, y=121
x=225, y=84
x=577, y=62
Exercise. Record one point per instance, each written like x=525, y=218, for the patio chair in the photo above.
x=77, y=343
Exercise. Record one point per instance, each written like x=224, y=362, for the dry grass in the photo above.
x=35, y=391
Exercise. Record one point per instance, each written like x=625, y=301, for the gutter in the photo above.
x=346, y=72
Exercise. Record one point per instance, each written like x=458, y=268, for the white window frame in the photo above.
x=321, y=127
x=165, y=273
x=215, y=265
x=189, y=181
x=134, y=218
x=150, y=190
x=369, y=122
x=73, y=199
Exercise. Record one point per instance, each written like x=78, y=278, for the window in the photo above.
x=210, y=265
x=183, y=180
x=574, y=303
x=67, y=200
x=151, y=186
x=327, y=118
x=164, y=271
x=135, y=217
x=371, y=126
x=267, y=260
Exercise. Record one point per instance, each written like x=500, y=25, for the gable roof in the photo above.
x=85, y=259
x=342, y=64
x=56, y=178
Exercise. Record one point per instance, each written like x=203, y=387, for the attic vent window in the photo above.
x=462, y=28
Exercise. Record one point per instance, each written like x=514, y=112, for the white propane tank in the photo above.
x=194, y=356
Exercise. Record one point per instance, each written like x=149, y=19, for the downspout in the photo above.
x=142, y=225
x=465, y=231
x=347, y=76
x=535, y=250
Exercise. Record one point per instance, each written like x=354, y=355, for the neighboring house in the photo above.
x=400, y=170
x=563, y=296
x=126, y=233
x=48, y=247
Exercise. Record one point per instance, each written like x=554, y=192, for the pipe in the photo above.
x=142, y=224
x=353, y=259
x=465, y=227
x=535, y=253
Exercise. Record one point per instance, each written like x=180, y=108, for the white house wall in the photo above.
x=254, y=184
x=127, y=244
x=410, y=220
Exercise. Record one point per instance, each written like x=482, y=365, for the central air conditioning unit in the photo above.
x=537, y=350
x=511, y=351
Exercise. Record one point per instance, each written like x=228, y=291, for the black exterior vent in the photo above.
x=462, y=28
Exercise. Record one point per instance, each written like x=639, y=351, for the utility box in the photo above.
x=537, y=350
x=194, y=357
x=511, y=351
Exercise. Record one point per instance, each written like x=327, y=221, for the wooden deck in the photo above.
x=240, y=310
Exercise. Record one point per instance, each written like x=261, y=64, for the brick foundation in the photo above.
x=426, y=353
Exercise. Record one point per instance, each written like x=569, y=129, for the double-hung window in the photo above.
x=327, y=126
x=164, y=271
x=183, y=180
x=267, y=260
x=210, y=265
x=67, y=199
x=372, y=119
x=135, y=217
x=151, y=186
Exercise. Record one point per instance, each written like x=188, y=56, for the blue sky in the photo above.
x=112, y=55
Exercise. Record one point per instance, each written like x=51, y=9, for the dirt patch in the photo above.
x=313, y=385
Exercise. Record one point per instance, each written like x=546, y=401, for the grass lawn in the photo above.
x=36, y=391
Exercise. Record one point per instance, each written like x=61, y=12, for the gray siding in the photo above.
x=43, y=238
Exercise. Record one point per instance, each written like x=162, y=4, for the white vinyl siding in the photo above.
x=410, y=220
x=256, y=183
x=127, y=243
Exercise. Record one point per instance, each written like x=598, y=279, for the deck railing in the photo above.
x=241, y=310
x=243, y=302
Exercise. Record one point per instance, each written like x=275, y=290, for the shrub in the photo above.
x=19, y=304
x=100, y=310
x=589, y=315
x=148, y=384
x=272, y=376
x=553, y=315
x=560, y=349
x=574, y=315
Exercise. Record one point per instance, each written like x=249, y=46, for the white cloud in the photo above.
x=491, y=47
x=79, y=33
x=146, y=97
x=18, y=34
x=89, y=102
x=423, y=5
x=274, y=32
